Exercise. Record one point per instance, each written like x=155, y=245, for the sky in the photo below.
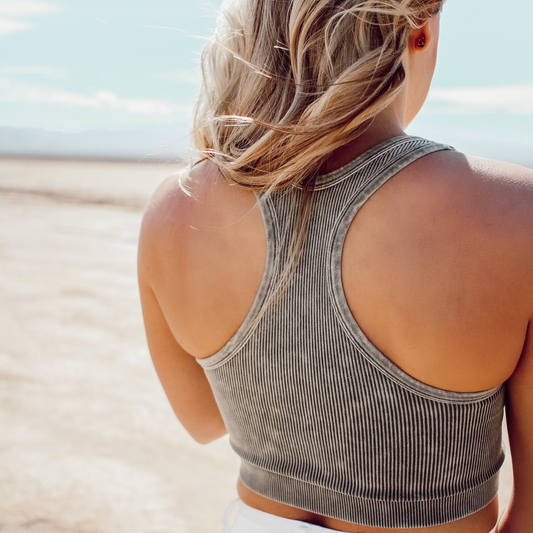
x=73, y=66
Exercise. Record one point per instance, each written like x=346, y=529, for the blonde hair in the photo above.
x=286, y=82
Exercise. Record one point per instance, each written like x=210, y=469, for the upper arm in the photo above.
x=519, y=413
x=518, y=518
x=183, y=379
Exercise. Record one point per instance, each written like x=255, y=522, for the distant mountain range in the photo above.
x=173, y=143
x=146, y=144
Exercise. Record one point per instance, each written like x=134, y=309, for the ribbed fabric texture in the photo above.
x=321, y=419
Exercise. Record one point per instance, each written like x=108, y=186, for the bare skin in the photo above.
x=437, y=270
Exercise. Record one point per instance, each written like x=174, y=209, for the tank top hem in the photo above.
x=369, y=511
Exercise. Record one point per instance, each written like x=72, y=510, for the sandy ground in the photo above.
x=88, y=442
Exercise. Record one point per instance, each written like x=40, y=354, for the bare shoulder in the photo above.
x=164, y=221
x=488, y=200
x=485, y=205
x=202, y=251
x=453, y=199
x=187, y=211
x=181, y=201
x=505, y=184
x=474, y=181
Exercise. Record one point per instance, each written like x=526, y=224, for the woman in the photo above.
x=346, y=301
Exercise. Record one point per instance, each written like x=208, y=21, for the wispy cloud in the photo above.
x=19, y=92
x=25, y=8
x=515, y=99
x=8, y=26
x=12, y=10
x=32, y=70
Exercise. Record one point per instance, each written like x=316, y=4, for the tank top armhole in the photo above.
x=340, y=304
x=243, y=334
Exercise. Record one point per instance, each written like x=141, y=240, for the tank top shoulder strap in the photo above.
x=374, y=167
x=346, y=188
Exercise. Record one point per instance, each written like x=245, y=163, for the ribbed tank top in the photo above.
x=321, y=419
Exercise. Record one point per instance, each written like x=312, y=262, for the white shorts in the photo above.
x=250, y=520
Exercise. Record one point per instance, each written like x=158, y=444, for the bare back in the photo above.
x=436, y=267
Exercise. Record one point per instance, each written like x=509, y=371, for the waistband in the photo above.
x=250, y=520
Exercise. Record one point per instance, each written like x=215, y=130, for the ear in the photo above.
x=420, y=38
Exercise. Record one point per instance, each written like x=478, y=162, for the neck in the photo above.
x=386, y=125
